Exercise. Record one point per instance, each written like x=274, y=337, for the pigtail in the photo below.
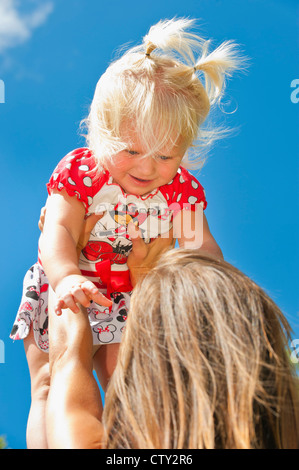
x=164, y=91
x=170, y=36
x=216, y=66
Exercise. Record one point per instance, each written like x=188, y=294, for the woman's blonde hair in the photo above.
x=157, y=87
x=203, y=363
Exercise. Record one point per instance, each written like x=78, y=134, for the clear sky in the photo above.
x=51, y=56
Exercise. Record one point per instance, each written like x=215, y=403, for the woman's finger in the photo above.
x=139, y=247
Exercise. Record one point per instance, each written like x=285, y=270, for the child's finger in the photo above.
x=80, y=295
x=89, y=288
x=66, y=302
x=100, y=299
x=58, y=307
x=94, y=294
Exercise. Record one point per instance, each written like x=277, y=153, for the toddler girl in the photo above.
x=146, y=115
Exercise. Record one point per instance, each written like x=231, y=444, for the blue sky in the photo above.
x=51, y=56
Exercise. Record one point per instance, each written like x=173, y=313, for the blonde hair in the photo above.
x=160, y=93
x=203, y=363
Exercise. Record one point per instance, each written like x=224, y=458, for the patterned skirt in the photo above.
x=107, y=326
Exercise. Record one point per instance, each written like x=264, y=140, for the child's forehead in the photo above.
x=176, y=144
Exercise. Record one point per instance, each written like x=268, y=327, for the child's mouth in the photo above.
x=140, y=180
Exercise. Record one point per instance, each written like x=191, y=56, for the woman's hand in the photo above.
x=75, y=289
x=144, y=256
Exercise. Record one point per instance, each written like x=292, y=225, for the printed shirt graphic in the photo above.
x=104, y=258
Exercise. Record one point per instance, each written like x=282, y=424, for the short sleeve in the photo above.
x=184, y=192
x=75, y=173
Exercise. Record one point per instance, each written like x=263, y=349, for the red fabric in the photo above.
x=184, y=192
x=76, y=173
x=115, y=281
x=71, y=174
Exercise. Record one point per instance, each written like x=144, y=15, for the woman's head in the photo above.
x=203, y=362
x=156, y=88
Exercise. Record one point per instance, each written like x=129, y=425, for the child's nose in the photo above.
x=146, y=166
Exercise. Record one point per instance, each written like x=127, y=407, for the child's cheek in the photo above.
x=119, y=163
x=122, y=161
x=123, y=164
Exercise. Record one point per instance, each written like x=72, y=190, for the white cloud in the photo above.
x=17, y=27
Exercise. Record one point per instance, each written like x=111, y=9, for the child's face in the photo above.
x=140, y=176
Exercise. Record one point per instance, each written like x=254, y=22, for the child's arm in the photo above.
x=192, y=231
x=89, y=224
x=58, y=242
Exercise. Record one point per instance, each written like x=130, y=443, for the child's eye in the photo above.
x=132, y=152
x=164, y=158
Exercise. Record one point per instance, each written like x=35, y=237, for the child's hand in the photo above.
x=76, y=289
